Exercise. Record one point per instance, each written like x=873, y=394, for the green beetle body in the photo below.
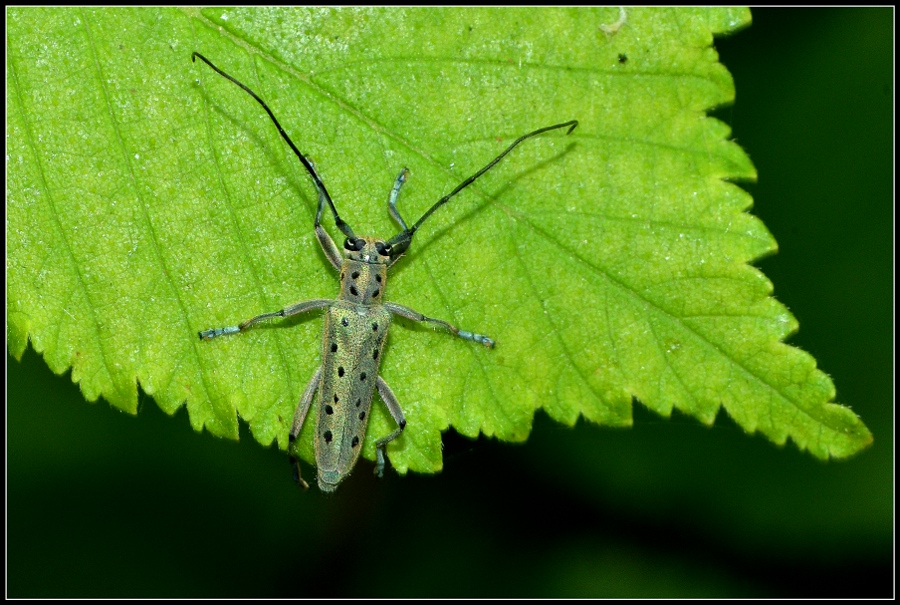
x=356, y=327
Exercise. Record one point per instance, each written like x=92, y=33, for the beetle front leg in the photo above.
x=416, y=316
x=332, y=253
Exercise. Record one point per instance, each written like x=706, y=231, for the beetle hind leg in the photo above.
x=393, y=406
x=299, y=418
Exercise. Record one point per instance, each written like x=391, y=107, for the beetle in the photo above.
x=356, y=324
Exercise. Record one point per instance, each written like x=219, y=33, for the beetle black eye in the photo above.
x=354, y=245
x=382, y=249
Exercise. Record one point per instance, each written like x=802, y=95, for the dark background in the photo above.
x=104, y=504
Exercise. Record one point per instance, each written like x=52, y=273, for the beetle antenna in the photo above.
x=400, y=242
x=320, y=186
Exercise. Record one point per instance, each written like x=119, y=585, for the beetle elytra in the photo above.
x=356, y=325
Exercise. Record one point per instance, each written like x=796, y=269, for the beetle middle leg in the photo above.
x=301, y=307
x=416, y=316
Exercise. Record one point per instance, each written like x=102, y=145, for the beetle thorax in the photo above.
x=362, y=283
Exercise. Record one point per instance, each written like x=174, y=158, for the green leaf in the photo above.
x=149, y=198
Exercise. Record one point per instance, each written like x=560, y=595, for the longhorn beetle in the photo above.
x=356, y=325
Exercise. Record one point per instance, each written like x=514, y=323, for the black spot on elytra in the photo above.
x=375, y=354
x=329, y=410
x=362, y=415
x=355, y=274
x=378, y=278
x=336, y=399
x=328, y=436
x=374, y=327
x=334, y=347
x=376, y=292
x=355, y=442
x=362, y=376
x=341, y=371
x=354, y=291
x=358, y=402
x=345, y=322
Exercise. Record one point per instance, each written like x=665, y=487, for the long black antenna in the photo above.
x=320, y=186
x=400, y=242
